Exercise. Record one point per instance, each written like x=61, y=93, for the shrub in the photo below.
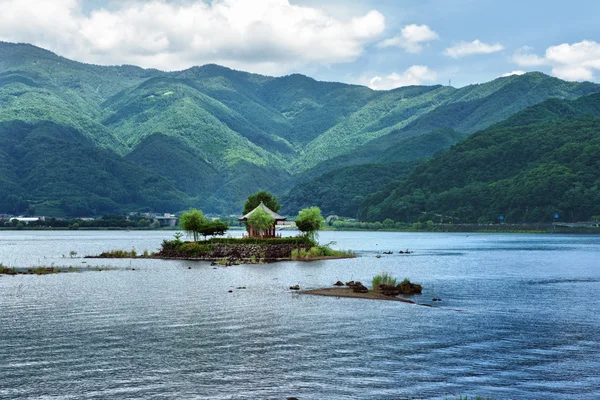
x=318, y=252
x=309, y=221
x=383, y=278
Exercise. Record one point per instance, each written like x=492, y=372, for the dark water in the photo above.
x=529, y=326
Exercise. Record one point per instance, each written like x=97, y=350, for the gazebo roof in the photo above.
x=262, y=206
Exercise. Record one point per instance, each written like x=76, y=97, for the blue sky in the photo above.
x=380, y=43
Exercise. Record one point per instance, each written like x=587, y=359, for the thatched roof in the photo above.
x=262, y=206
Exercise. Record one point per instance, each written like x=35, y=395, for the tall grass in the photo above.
x=119, y=254
x=383, y=278
x=318, y=252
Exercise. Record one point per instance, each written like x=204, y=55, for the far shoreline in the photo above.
x=562, y=231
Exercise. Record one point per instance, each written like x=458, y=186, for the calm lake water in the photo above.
x=519, y=319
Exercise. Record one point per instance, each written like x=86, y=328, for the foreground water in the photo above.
x=528, y=326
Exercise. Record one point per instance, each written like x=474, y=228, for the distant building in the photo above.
x=269, y=233
x=28, y=219
x=167, y=220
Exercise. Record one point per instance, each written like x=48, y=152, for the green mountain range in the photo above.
x=543, y=161
x=81, y=139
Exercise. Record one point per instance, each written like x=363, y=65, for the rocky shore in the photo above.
x=229, y=251
x=348, y=292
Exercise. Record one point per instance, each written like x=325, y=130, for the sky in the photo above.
x=382, y=44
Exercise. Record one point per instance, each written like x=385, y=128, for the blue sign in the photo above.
x=502, y=218
x=556, y=216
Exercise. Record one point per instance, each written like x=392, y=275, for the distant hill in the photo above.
x=342, y=191
x=65, y=172
x=543, y=161
x=214, y=135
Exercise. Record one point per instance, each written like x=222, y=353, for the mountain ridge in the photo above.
x=230, y=133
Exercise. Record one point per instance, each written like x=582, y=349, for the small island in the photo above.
x=384, y=288
x=261, y=244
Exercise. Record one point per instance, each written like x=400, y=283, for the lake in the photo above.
x=519, y=319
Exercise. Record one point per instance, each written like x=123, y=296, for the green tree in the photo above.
x=192, y=222
x=309, y=221
x=213, y=228
x=254, y=201
x=260, y=220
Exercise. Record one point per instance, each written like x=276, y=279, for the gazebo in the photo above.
x=269, y=233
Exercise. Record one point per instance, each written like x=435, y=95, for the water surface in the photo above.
x=528, y=328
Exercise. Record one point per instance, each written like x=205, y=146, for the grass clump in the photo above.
x=383, y=278
x=320, y=252
x=119, y=254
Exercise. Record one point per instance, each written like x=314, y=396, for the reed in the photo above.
x=383, y=278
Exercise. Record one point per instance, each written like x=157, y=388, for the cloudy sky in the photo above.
x=379, y=43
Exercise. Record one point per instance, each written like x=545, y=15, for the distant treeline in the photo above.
x=107, y=221
x=430, y=226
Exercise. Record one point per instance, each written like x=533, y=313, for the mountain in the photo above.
x=545, y=160
x=466, y=111
x=63, y=170
x=342, y=191
x=214, y=135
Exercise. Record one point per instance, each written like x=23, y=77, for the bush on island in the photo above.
x=309, y=221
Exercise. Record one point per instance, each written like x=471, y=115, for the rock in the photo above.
x=295, y=287
x=350, y=284
x=189, y=267
x=407, y=288
x=389, y=290
x=360, y=288
x=338, y=283
x=230, y=291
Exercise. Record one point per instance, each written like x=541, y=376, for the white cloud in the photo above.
x=525, y=58
x=268, y=36
x=415, y=75
x=411, y=38
x=518, y=72
x=574, y=62
x=463, y=49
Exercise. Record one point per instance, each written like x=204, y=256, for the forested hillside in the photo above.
x=543, y=161
x=342, y=191
x=209, y=136
x=64, y=171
